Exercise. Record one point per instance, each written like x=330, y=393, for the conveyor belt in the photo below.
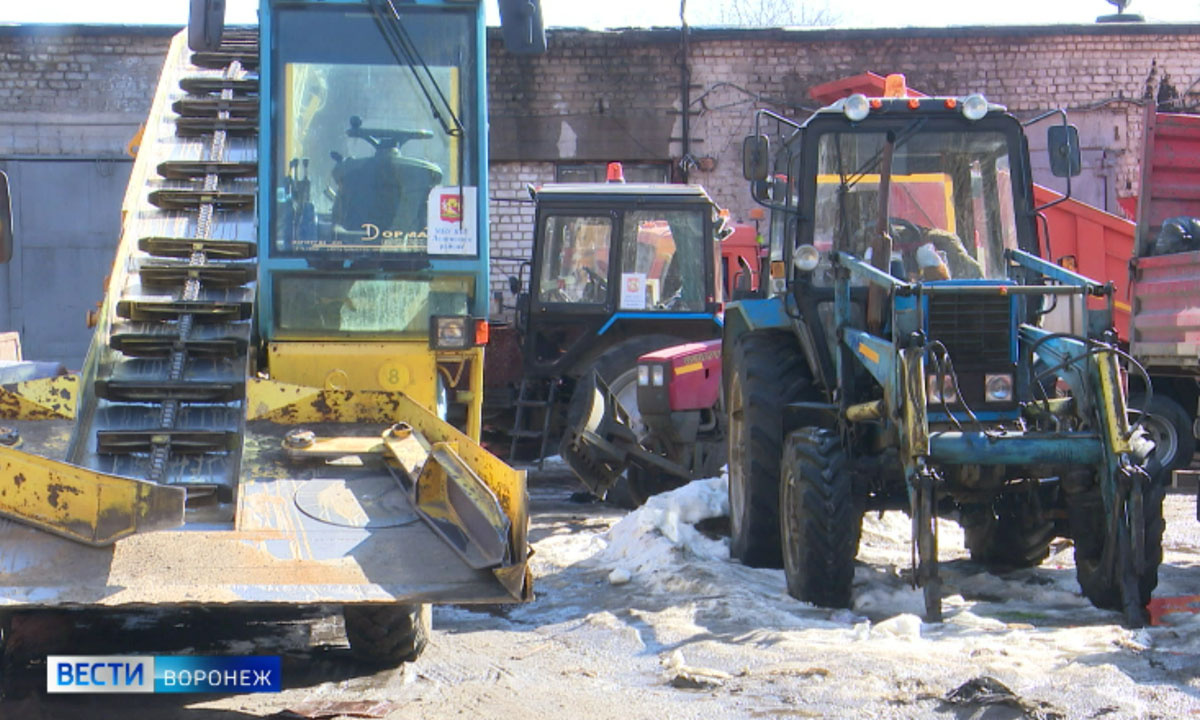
x=165, y=377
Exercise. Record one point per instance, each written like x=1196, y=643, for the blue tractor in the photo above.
x=899, y=359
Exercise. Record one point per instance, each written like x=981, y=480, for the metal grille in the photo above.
x=976, y=330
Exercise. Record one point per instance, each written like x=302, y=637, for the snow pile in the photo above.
x=905, y=626
x=657, y=535
x=877, y=594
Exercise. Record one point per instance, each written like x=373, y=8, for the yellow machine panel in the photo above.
x=395, y=367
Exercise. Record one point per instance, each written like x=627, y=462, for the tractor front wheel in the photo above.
x=1105, y=570
x=821, y=518
x=1014, y=531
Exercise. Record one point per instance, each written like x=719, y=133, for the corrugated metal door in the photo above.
x=66, y=222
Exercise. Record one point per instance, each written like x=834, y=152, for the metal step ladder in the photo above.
x=534, y=393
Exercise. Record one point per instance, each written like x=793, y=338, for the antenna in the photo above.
x=1121, y=15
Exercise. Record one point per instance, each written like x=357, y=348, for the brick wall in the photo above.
x=77, y=91
x=1098, y=73
x=511, y=211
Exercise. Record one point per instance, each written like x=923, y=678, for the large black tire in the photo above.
x=617, y=367
x=1089, y=523
x=387, y=635
x=769, y=371
x=1014, y=531
x=821, y=518
x=1170, y=427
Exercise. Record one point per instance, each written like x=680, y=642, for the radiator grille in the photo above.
x=976, y=330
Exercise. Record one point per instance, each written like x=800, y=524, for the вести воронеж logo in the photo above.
x=162, y=674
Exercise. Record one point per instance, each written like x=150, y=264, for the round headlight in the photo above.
x=999, y=388
x=806, y=258
x=856, y=107
x=974, y=107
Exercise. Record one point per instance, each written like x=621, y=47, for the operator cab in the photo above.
x=958, y=198
x=373, y=239
x=607, y=255
x=953, y=191
x=373, y=208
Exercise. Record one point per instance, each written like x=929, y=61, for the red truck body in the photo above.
x=1166, y=288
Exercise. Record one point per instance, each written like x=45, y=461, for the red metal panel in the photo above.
x=1167, y=311
x=695, y=381
x=1166, y=288
x=1101, y=243
x=742, y=243
x=1170, y=171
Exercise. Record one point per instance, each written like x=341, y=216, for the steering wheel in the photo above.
x=597, y=286
x=910, y=236
x=595, y=276
x=383, y=137
x=555, y=295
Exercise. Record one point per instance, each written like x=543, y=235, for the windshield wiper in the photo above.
x=900, y=138
x=405, y=50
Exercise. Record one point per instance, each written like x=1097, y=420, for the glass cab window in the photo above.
x=950, y=203
x=363, y=140
x=662, y=260
x=309, y=303
x=574, y=262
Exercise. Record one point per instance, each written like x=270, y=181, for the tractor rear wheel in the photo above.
x=1105, y=573
x=821, y=518
x=387, y=635
x=768, y=372
x=1014, y=531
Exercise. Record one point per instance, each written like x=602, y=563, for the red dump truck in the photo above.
x=1164, y=276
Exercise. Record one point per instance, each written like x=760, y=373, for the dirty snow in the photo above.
x=1031, y=629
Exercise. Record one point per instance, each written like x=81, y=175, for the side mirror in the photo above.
x=1062, y=142
x=521, y=26
x=755, y=157
x=514, y=285
x=6, y=226
x=206, y=24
